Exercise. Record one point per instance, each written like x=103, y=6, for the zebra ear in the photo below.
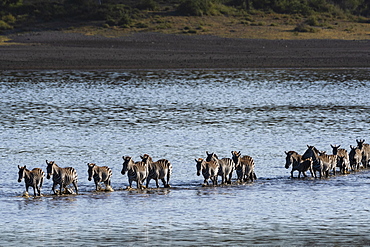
x=196, y=160
x=207, y=153
x=19, y=167
x=123, y=157
x=286, y=152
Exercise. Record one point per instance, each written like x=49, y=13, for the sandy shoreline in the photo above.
x=58, y=50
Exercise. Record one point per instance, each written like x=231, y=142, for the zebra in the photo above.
x=62, y=176
x=33, y=178
x=355, y=157
x=209, y=170
x=298, y=164
x=226, y=169
x=101, y=174
x=161, y=169
x=136, y=171
x=332, y=159
x=343, y=158
x=365, y=148
x=343, y=164
x=244, y=166
x=321, y=163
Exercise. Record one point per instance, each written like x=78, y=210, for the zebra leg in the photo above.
x=61, y=189
x=164, y=183
x=299, y=174
x=34, y=189
x=53, y=188
x=75, y=185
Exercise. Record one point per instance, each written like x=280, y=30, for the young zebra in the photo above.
x=101, y=174
x=62, y=176
x=355, y=158
x=226, y=169
x=161, y=169
x=33, y=178
x=365, y=148
x=343, y=158
x=298, y=164
x=244, y=167
x=331, y=159
x=209, y=170
x=136, y=171
x=322, y=163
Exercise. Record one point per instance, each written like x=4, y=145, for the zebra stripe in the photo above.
x=136, y=171
x=226, y=169
x=34, y=178
x=244, y=166
x=365, y=148
x=62, y=176
x=101, y=174
x=161, y=169
x=343, y=158
x=209, y=170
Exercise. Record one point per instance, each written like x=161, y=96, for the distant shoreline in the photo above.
x=51, y=50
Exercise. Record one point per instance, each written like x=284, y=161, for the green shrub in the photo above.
x=195, y=7
x=147, y=5
x=5, y=26
x=304, y=28
x=10, y=19
x=312, y=21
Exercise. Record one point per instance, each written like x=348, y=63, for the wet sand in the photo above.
x=59, y=50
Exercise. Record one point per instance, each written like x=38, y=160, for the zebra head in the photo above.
x=289, y=159
x=127, y=163
x=91, y=171
x=335, y=148
x=236, y=157
x=360, y=143
x=200, y=165
x=50, y=168
x=146, y=158
x=211, y=156
x=21, y=173
x=311, y=152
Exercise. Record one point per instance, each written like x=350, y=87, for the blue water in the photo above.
x=76, y=117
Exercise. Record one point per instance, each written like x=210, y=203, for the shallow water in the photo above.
x=76, y=117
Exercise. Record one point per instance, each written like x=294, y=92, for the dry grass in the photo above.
x=262, y=26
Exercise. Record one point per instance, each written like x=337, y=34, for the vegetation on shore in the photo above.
x=344, y=19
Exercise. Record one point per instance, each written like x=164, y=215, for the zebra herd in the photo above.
x=319, y=162
x=211, y=168
x=141, y=171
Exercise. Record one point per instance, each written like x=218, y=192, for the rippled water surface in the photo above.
x=76, y=117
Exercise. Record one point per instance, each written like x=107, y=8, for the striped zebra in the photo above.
x=244, y=166
x=355, y=158
x=343, y=158
x=226, y=169
x=298, y=164
x=101, y=174
x=321, y=163
x=161, y=169
x=365, y=148
x=33, y=178
x=209, y=170
x=332, y=159
x=62, y=176
x=136, y=171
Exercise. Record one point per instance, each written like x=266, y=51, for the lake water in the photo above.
x=76, y=117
